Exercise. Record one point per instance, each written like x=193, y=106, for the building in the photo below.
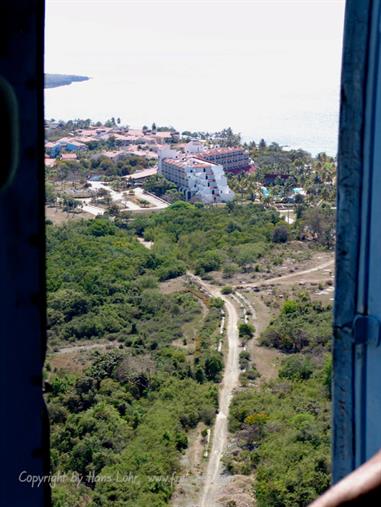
x=53, y=149
x=50, y=162
x=75, y=146
x=197, y=179
x=140, y=177
x=69, y=156
x=70, y=144
x=233, y=160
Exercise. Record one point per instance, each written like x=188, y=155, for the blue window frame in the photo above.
x=356, y=349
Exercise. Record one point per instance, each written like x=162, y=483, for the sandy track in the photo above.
x=283, y=278
x=229, y=383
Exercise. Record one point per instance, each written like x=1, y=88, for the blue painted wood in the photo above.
x=24, y=432
x=357, y=367
x=369, y=401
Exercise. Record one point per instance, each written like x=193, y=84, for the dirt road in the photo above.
x=90, y=346
x=229, y=383
x=283, y=278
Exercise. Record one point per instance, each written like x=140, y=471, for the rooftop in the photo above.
x=142, y=174
x=189, y=162
x=69, y=156
x=221, y=151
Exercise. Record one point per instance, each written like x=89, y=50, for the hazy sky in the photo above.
x=244, y=54
x=194, y=36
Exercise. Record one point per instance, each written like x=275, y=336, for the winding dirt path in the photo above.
x=231, y=380
x=229, y=383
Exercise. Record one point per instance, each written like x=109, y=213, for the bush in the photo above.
x=296, y=367
x=280, y=234
x=244, y=359
x=229, y=270
x=216, y=303
x=228, y=289
x=246, y=330
x=302, y=325
x=213, y=366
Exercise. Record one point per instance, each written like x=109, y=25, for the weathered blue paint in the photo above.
x=24, y=432
x=368, y=415
x=357, y=363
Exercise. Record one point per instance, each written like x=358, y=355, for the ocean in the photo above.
x=308, y=121
x=267, y=69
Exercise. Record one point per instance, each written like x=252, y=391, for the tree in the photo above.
x=50, y=194
x=246, y=330
x=296, y=367
x=227, y=138
x=159, y=185
x=320, y=223
x=113, y=210
x=262, y=144
x=70, y=204
x=213, y=366
x=280, y=234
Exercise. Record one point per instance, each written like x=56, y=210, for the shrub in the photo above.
x=216, y=303
x=230, y=269
x=296, y=367
x=246, y=330
x=280, y=234
x=244, y=359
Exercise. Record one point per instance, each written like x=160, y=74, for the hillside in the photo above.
x=56, y=80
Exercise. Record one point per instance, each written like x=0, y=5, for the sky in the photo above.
x=181, y=60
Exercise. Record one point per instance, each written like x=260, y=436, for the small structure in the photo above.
x=69, y=156
x=50, y=162
x=53, y=149
x=75, y=146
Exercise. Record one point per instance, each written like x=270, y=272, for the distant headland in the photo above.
x=55, y=80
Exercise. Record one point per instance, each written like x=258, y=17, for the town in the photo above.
x=100, y=168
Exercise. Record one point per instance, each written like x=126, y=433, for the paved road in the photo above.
x=123, y=197
x=90, y=208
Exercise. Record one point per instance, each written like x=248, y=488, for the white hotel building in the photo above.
x=195, y=177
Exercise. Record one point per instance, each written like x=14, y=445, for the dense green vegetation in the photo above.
x=303, y=325
x=162, y=187
x=127, y=414
x=282, y=170
x=282, y=428
x=211, y=238
x=125, y=418
x=97, y=165
x=283, y=434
